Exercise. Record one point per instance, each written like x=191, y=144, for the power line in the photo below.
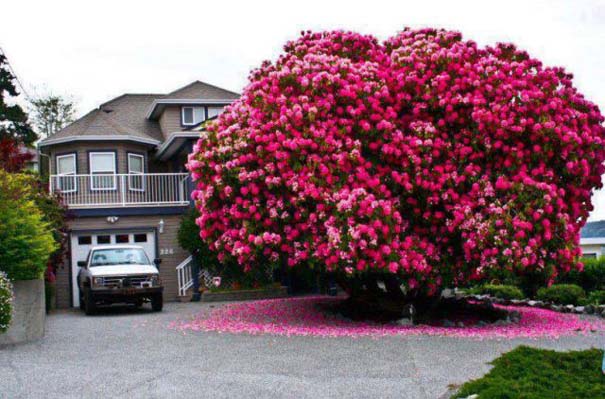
x=12, y=71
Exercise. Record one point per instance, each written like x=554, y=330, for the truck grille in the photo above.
x=124, y=281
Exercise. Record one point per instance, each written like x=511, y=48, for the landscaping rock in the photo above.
x=556, y=308
x=569, y=308
x=460, y=324
x=532, y=303
x=579, y=309
x=589, y=309
x=448, y=323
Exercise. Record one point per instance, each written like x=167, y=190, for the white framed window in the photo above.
x=102, y=171
x=192, y=115
x=136, y=168
x=66, y=173
x=215, y=111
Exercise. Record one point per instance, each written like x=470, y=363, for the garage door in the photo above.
x=81, y=243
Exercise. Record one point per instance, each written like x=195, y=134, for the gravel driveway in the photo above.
x=125, y=353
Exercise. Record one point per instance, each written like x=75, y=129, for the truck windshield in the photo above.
x=118, y=256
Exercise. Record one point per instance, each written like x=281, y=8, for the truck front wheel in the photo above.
x=157, y=303
x=89, y=303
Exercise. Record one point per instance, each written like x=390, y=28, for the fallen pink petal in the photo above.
x=302, y=317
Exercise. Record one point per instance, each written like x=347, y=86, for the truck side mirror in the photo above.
x=157, y=262
x=82, y=263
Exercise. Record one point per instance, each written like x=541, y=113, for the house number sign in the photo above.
x=166, y=251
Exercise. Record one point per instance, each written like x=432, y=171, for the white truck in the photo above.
x=119, y=274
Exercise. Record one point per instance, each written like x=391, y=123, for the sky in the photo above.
x=94, y=51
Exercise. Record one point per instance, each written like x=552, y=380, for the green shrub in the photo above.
x=26, y=239
x=591, y=278
x=188, y=237
x=541, y=374
x=501, y=291
x=596, y=297
x=562, y=294
x=6, y=302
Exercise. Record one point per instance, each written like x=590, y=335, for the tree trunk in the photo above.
x=367, y=301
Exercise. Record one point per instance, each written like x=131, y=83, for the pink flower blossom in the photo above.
x=426, y=150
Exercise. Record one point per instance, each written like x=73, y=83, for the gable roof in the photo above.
x=126, y=117
x=195, y=93
x=122, y=118
x=202, y=90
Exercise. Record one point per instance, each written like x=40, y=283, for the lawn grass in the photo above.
x=529, y=373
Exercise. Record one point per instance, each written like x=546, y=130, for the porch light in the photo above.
x=161, y=226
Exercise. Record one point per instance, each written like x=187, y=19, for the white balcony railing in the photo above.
x=121, y=190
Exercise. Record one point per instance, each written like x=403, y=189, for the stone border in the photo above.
x=244, y=295
x=596, y=310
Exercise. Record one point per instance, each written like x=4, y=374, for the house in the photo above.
x=32, y=158
x=120, y=170
x=592, y=239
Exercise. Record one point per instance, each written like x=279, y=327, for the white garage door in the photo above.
x=81, y=243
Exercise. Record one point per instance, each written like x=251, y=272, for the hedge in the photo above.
x=596, y=297
x=563, y=294
x=502, y=291
x=592, y=278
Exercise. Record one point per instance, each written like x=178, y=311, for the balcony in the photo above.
x=121, y=190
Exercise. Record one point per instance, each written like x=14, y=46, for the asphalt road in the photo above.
x=130, y=354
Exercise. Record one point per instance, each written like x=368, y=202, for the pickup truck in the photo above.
x=119, y=274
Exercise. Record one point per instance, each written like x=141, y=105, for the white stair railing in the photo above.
x=183, y=274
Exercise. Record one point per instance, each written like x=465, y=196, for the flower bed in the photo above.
x=301, y=316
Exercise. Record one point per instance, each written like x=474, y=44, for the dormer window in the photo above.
x=192, y=115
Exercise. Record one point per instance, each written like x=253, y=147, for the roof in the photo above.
x=202, y=90
x=126, y=117
x=195, y=93
x=122, y=118
x=593, y=230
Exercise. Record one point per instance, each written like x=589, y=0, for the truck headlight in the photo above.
x=155, y=280
x=98, y=281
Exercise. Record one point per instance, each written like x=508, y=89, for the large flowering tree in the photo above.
x=425, y=158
